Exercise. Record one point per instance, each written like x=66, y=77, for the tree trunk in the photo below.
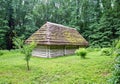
x=11, y=24
x=28, y=68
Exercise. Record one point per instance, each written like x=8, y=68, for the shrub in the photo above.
x=1, y=52
x=118, y=45
x=106, y=51
x=116, y=72
x=81, y=52
x=4, y=52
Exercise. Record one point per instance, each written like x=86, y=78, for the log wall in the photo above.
x=56, y=51
x=70, y=49
x=40, y=51
x=53, y=51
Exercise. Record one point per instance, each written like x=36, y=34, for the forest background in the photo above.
x=97, y=20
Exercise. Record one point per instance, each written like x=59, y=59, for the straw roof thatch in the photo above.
x=56, y=34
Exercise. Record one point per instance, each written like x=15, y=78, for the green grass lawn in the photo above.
x=95, y=69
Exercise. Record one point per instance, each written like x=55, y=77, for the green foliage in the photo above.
x=118, y=44
x=16, y=19
x=1, y=53
x=106, y=28
x=116, y=73
x=18, y=42
x=81, y=52
x=26, y=49
x=113, y=47
x=106, y=51
x=90, y=49
x=98, y=21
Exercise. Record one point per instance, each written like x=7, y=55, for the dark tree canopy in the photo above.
x=97, y=20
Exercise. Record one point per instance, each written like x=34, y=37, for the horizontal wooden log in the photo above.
x=53, y=51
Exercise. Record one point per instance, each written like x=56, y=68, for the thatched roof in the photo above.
x=56, y=34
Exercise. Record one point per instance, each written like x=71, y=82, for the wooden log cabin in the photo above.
x=56, y=40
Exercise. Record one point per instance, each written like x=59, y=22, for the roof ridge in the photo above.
x=60, y=25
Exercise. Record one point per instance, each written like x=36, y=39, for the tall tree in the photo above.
x=16, y=18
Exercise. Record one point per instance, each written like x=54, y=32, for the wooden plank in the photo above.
x=56, y=52
x=49, y=55
x=39, y=51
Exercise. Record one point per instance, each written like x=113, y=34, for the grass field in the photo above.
x=95, y=69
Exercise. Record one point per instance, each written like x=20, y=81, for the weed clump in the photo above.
x=106, y=51
x=81, y=52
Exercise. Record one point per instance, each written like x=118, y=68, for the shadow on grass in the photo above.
x=87, y=58
x=57, y=57
x=24, y=68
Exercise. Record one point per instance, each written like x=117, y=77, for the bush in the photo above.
x=106, y=51
x=4, y=52
x=118, y=45
x=81, y=52
x=1, y=53
x=116, y=72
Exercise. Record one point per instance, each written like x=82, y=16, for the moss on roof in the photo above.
x=56, y=34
